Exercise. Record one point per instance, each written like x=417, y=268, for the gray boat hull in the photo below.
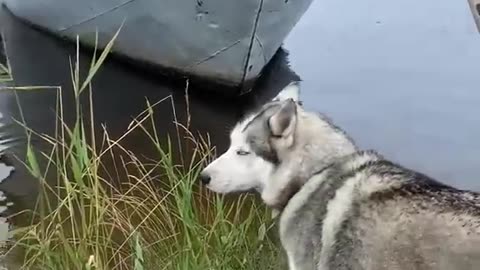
x=475, y=6
x=225, y=41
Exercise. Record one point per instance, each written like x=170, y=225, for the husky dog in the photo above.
x=342, y=208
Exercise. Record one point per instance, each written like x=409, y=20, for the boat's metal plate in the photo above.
x=224, y=41
x=475, y=6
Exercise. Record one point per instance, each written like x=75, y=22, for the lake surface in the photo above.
x=401, y=77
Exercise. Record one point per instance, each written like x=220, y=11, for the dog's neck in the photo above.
x=318, y=145
x=295, y=185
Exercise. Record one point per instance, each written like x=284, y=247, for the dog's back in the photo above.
x=364, y=212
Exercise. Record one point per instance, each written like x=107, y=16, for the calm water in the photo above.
x=402, y=77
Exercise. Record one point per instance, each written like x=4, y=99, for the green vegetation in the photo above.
x=143, y=214
x=5, y=71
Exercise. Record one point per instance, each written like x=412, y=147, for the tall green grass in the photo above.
x=5, y=70
x=102, y=206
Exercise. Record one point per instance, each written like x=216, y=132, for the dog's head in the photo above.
x=255, y=143
x=275, y=150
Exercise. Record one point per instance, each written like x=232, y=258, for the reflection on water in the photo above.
x=120, y=94
x=5, y=204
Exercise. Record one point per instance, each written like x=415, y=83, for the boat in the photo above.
x=475, y=6
x=227, y=42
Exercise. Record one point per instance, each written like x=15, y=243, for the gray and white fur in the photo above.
x=343, y=208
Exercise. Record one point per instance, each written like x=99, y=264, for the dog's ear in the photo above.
x=282, y=123
x=291, y=91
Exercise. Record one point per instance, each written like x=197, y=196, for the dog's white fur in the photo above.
x=234, y=171
x=239, y=169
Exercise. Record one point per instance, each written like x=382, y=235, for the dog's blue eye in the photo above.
x=242, y=153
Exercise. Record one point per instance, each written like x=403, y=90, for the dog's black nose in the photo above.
x=205, y=178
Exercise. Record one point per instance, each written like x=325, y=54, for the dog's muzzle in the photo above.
x=205, y=178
